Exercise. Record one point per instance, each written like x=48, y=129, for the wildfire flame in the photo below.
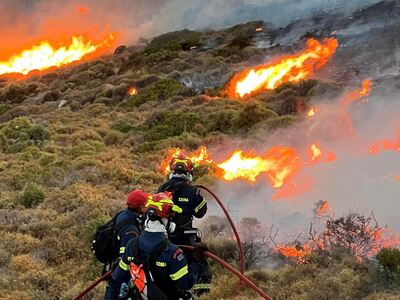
x=278, y=164
x=322, y=209
x=132, y=91
x=44, y=55
x=366, y=87
x=298, y=252
x=312, y=112
x=198, y=157
x=386, y=145
x=316, y=152
x=292, y=68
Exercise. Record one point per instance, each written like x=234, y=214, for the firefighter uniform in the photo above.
x=171, y=272
x=189, y=198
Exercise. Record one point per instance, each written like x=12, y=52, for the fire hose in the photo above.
x=104, y=277
x=241, y=252
x=227, y=266
x=220, y=261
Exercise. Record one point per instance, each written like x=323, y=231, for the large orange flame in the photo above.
x=44, y=55
x=292, y=68
x=278, y=164
x=198, y=157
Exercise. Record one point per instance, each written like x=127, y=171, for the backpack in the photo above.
x=105, y=245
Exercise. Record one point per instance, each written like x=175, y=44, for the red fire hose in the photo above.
x=241, y=252
x=227, y=266
x=93, y=285
x=224, y=264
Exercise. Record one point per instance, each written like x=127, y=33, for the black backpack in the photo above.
x=105, y=245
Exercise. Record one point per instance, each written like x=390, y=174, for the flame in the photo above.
x=312, y=112
x=44, y=55
x=278, y=164
x=323, y=208
x=292, y=68
x=80, y=9
x=315, y=152
x=366, y=87
x=298, y=252
x=132, y=91
x=386, y=145
x=242, y=166
x=198, y=157
x=397, y=178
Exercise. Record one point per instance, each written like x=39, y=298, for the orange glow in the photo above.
x=312, y=112
x=80, y=9
x=315, y=152
x=240, y=165
x=385, y=145
x=198, y=157
x=291, y=68
x=298, y=253
x=132, y=91
x=322, y=209
x=397, y=178
x=44, y=55
x=278, y=164
x=366, y=87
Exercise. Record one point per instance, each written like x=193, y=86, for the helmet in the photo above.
x=181, y=163
x=137, y=200
x=161, y=206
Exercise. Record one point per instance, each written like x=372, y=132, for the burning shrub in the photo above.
x=158, y=91
x=32, y=195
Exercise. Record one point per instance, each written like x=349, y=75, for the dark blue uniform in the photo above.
x=171, y=272
x=128, y=225
x=189, y=198
x=129, y=230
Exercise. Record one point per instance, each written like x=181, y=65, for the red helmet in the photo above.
x=181, y=162
x=137, y=200
x=161, y=205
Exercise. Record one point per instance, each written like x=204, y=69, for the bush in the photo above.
x=122, y=126
x=32, y=195
x=389, y=258
x=158, y=91
x=38, y=133
x=113, y=137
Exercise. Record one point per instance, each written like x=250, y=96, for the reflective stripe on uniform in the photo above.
x=182, y=272
x=202, y=286
x=123, y=266
x=202, y=203
x=161, y=264
x=121, y=250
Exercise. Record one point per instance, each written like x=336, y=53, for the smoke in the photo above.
x=27, y=22
x=357, y=181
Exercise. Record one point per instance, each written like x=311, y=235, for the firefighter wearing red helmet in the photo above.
x=127, y=226
x=189, y=198
x=158, y=268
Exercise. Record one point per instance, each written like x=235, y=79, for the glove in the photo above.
x=124, y=291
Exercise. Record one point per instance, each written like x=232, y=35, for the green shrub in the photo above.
x=158, y=91
x=122, y=126
x=87, y=148
x=389, y=258
x=113, y=137
x=38, y=133
x=32, y=195
x=171, y=123
x=4, y=108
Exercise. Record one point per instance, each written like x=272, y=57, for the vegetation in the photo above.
x=73, y=143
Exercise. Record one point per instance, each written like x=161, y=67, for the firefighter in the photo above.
x=161, y=267
x=189, y=198
x=128, y=225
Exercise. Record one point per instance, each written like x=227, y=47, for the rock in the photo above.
x=120, y=50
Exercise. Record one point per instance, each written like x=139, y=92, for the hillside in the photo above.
x=74, y=142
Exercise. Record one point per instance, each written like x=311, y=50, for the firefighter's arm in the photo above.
x=120, y=274
x=127, y=233
x=201, y=205
x=179, y=271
